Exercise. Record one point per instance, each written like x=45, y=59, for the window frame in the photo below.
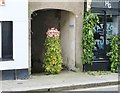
x=1, y=41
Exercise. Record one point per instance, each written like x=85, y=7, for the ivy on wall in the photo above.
x=88, y=45
x=119, y=53
x=114, y=53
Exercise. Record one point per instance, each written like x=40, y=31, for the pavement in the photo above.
x=66, y=80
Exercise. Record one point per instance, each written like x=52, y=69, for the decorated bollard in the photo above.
x=52, y=55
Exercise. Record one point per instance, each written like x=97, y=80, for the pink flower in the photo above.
x=52, y=32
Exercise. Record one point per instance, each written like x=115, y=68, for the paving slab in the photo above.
x=63, y=81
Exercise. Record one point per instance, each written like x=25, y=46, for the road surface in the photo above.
x=104, y=88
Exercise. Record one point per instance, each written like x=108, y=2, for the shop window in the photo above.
x=6, y=40
x=102, y=47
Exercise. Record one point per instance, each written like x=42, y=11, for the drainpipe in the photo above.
x=89, y=4
x=85, y=7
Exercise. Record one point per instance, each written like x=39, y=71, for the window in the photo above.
x=102, y=39
x=6, y=40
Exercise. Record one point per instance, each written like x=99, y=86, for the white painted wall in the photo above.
x=16, y=11
x=0, y=41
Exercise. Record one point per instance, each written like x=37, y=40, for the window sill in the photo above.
x=2, y=59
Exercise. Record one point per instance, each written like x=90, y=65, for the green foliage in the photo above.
x=88, y=45
x=114, y=53
x=52, y=57
x=119, y=53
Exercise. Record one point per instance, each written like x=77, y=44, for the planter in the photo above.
x=103, y=65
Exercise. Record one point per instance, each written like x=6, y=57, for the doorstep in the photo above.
x=101, y=65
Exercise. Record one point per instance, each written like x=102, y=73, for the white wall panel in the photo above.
x=0, y=41
x=16, y=11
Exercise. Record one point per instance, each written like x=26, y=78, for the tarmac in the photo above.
x=66, y=80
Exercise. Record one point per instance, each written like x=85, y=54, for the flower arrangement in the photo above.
x=52, y=32
x=52, y=56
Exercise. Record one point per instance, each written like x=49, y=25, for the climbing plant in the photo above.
x=119, y=53
x=90, y=20
x=52, y=56
x=114, y=53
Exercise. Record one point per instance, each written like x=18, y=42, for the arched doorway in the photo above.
x=41, y=20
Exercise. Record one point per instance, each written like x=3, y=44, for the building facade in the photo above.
x=13, y=38
x=23, y=25
x=108, y=12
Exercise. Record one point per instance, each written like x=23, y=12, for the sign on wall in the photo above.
x=107, y=4
x=2, y=2
x=110, y=6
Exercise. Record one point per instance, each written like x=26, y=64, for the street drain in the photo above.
x=19, y=83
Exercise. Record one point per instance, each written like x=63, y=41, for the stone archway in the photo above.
x=76, y=8
x=41, y=20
